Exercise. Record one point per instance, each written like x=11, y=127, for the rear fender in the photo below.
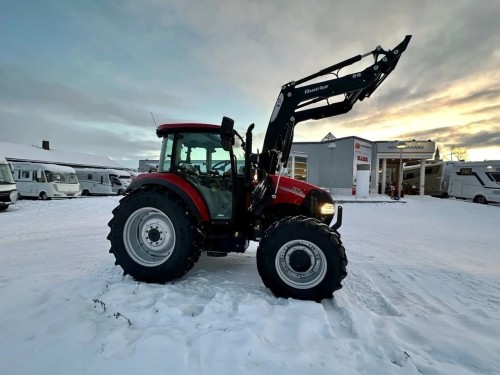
x=189, y=195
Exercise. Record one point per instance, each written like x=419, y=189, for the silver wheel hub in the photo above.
x=301, y=264
x=149, y=236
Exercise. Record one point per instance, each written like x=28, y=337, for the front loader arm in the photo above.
x=299, y=101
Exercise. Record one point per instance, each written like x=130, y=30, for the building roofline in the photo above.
x=333, y=140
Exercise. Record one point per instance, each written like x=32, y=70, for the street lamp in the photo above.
x=332, y=146
x=401, y=146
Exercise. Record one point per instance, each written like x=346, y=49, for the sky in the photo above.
x=88, y=76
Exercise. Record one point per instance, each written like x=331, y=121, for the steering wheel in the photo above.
x=220, y=167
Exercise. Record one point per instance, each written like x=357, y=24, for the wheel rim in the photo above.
x=480, y=199
x=149, y=237
x=301, y=264
x=43, y=196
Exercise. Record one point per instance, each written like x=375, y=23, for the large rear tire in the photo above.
x=153, y=236
x=301, y=258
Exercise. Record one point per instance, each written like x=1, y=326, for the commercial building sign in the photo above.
x=411, y=147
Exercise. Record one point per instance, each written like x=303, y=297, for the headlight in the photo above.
x=327, y=209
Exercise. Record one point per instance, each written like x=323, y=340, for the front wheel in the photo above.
x=480, y=199
x=301, y=258
x=153, y=236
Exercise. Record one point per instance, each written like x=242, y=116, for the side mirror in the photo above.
x=226, y=133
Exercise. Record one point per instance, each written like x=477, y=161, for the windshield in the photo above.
x=198, y=150
x=126, y=180
x=58, y=177
x=495, y=176
x=5, y=175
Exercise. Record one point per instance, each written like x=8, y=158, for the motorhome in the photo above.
x=435, y=172
x=445, y=177
x=8, y=190
x=45, y=181
x=476, y=180
x=103, y=181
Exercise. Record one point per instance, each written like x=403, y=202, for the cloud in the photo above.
x=485, y=133
x=90, y=75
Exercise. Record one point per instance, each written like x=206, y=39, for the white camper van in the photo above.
x=103, y=181
x=8, y=191
x=45, y=181
x=433, y=173
x=436, y=178
x=476, y=180
x=445, y=177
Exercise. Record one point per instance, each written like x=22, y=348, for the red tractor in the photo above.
x=211, y=193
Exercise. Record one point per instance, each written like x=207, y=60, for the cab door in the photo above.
x=200, y=159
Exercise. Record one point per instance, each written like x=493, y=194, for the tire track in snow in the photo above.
x=366, y=294
x=339, y=320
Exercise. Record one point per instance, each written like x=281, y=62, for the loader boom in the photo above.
x=298, y=101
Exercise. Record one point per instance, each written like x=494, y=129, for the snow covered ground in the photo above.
x=422, y=297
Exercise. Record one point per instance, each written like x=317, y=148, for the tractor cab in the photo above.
x=195, y=153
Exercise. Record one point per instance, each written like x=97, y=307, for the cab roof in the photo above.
x=191, y=126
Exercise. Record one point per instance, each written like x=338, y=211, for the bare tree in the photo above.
x=460, y=153
x=454, y=153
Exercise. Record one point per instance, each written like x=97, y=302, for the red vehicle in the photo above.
x=211, y=193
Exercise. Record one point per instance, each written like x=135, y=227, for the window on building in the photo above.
x=300, y=168
x=296, y=166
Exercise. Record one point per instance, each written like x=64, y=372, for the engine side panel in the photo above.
x=306, y=198
x=291, y=191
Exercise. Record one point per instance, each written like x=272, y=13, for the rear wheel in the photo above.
x=301, y=258
x=43, y=196
x=85, y=193
x=153, y=236
x=480, y=199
